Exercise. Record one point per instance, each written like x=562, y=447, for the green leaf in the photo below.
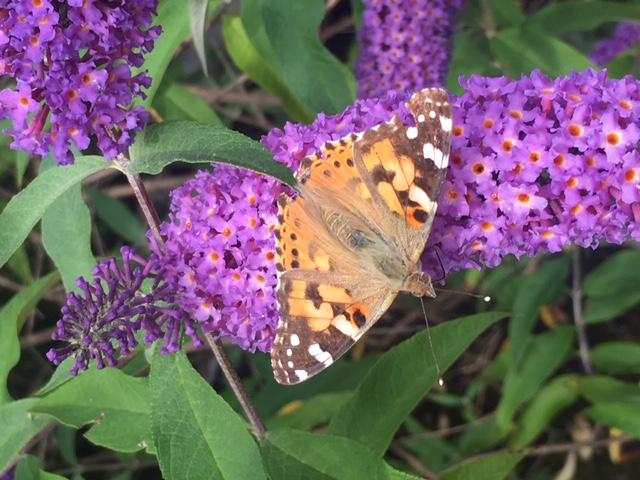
x=394, y=474
x=470, y=55
x=559, y=18
x=547, y=403
x=292, y=454
x=29, y=468
x=482, y=435
x=261, y=69
x=541, y=356
x=174, y=18
x=162, y=144
x=521, y=50
x=174, y=102
x=12, y=318
x=18, y=426
x=310, y=413
x=402, y=376
x=60, y=375
x=618, y=273
x=505, y=13
x=197, y=16
x=66, y=236
x=615, y=357
x=610, y=288
x=117, y=216
x=536, y=289
x=117, y=404
x=489, y=467
x=623, y=416
x=19, y=265
x=601, y=309
x=27, y=207
x=196, y=432
x=312, y=73
x=598, y=389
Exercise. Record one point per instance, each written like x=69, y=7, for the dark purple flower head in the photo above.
x=71, y=64
x=405, y=45
x=626, y=35
x=107, y=313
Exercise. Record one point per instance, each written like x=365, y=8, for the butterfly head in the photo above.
x=419, y=284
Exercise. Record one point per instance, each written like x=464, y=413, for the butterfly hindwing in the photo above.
x=324, y=305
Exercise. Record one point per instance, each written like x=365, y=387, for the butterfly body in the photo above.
x=352, y=240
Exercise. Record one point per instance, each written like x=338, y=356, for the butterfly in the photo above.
x=351, y=241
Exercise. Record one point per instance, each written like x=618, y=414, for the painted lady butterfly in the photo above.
x=353, y=240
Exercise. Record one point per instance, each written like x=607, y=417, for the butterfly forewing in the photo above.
x=344, y=250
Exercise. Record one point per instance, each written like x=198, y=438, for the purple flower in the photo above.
x=219, y=243
x=71, y=64
x=624, y=37
x=111, y=309
x=537, y=164
x=405, y=45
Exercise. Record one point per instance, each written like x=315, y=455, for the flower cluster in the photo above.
x=624, y=37
x=220, y=244
x=113, y=308
x=72, y=65
x=537, y=164
x=405, y=45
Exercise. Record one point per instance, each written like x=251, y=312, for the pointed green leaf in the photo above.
x=542, y=355
x=574, y=16
x=18, y=426
x=400, y=379
x=521, y=50
x=164, y=143
x=535, y=289
x=12, y=318
x=116, y=403
x=616, y=357
x=548, y=402
x=261, y=69
x=27, y=207
x=490, y=467
x=66, y=236
x=292, y=454
x=623, y=416
x=197, y=434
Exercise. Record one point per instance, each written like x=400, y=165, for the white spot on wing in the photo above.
x=320, y=355
x=289, y=352
x=301, y=374
x=421, y=118
x=432, y=114
x=412, y=132
x=290, y=364
x=418, y=195
x=429, y=151
x=446, y=123
x=295, y=340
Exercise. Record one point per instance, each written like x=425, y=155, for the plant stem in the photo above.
x=238, y=388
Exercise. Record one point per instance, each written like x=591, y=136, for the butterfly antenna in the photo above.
x=485, y=298
x=433, y=353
